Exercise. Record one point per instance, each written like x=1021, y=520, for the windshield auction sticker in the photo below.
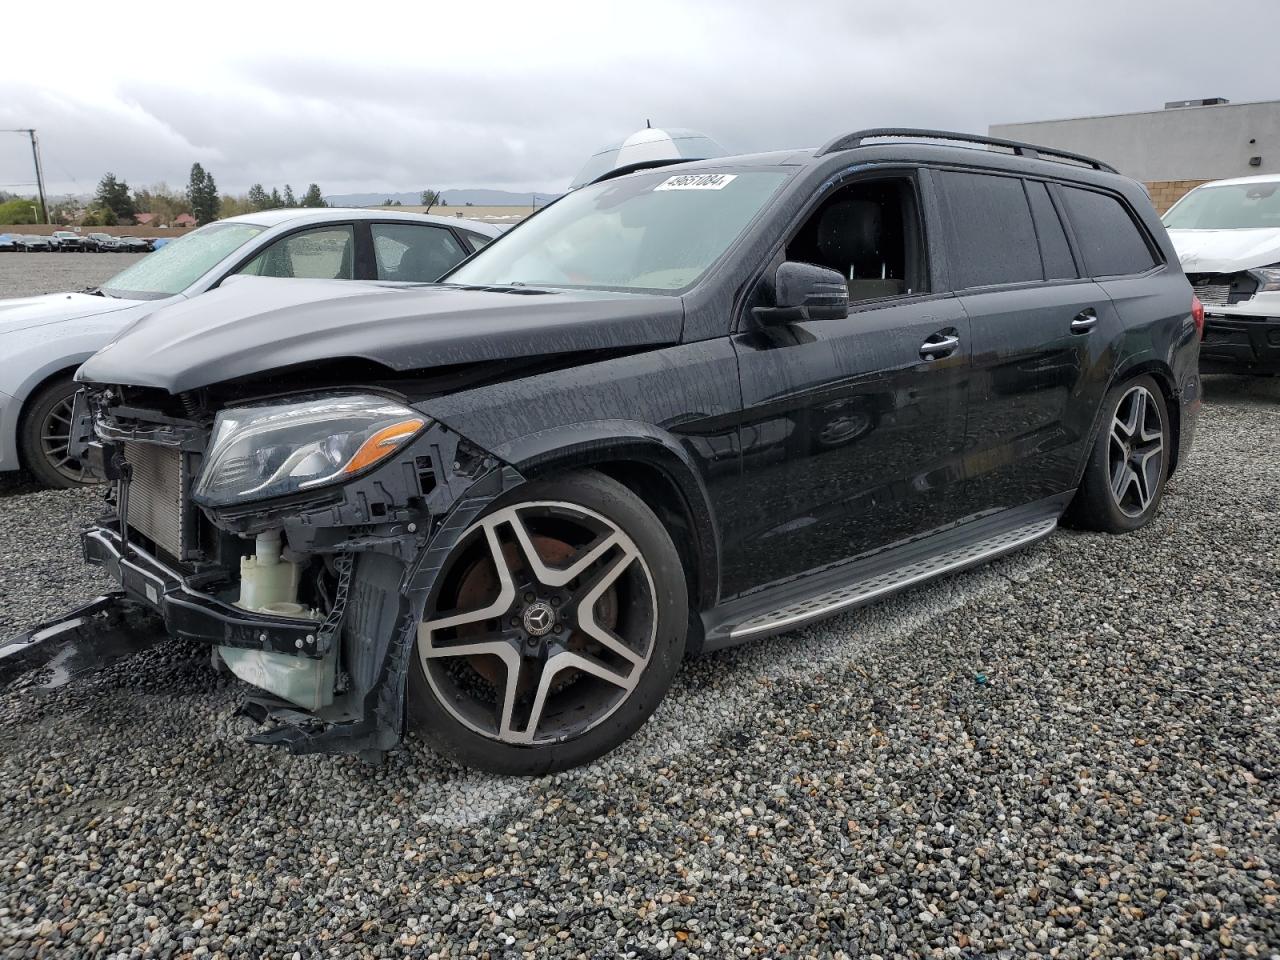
x=697, y=181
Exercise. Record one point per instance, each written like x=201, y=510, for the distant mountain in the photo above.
x=455, y=198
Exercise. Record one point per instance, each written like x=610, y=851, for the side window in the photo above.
x=990, y=236
x=1054, y=249
x=327, y=253
x=477, y=240
x=869, y=231
x=414, y=254
x=1111, y=243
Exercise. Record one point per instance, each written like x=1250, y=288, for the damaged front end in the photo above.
x=298, y=536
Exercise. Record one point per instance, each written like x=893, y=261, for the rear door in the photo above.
x=414, y=252
x=1042, y=338
x=1125, y=262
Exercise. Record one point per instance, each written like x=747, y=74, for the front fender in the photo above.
x=29, y=362
x=618, y=441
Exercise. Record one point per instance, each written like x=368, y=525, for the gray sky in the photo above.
x=515, y=95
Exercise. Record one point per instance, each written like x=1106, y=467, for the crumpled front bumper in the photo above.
x=388, y=534
x=189, y=614
x=1236, y=341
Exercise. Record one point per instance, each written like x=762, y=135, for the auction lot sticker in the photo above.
x=697, y=181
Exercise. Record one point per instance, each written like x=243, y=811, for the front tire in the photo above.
x=1124, y=480
x=554, y=629
x=45, y=433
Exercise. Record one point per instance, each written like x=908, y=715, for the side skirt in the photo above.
x=833, y=590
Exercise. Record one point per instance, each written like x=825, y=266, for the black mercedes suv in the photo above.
x=678, y=409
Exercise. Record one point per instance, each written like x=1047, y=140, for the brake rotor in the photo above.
x=479, y=587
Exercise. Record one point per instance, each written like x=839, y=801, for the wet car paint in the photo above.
x=785, y=451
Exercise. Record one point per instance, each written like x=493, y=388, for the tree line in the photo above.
x=115, y=202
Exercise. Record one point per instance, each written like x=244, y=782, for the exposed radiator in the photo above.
x=1213, y=294
x=156, y=507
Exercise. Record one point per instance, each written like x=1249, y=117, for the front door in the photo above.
x=853, y=428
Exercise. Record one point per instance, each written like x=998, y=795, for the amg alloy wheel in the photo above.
x=556, y=626
x=1124, y=480
x=1135, y=455
x=45, y=433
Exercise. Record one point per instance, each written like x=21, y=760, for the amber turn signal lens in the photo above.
x=382, y=443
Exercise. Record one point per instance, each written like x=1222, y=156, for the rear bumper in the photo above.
x=189, y=614
x=1240, y=343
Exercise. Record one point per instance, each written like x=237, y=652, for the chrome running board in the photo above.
x=848, y=596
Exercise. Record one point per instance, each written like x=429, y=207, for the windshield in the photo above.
x=178, y=264
x=1240, y=206
x=649, y=232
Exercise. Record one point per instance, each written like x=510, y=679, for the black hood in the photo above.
x=253, y=325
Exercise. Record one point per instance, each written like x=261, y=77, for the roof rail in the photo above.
x=848, y=141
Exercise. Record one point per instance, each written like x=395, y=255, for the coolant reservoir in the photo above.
x=269, y=584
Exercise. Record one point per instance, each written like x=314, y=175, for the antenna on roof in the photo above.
x=648, y=125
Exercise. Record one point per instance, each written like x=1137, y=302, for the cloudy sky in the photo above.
x=515, y=95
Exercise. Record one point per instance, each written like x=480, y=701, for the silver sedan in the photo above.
x=44, y=339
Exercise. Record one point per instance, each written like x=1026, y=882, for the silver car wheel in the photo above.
x=55, y=435
x=1136, y=452
x=554, y=622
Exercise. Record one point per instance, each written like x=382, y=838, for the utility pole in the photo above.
x=35, y=156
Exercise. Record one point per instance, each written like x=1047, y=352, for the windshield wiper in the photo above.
x=95, y=292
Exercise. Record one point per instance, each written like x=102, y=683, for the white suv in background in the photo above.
x=1227, y=234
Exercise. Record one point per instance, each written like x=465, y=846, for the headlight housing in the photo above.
x=272, y=450
x=1268, y=277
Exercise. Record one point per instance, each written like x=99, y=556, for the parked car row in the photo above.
x=68, y=241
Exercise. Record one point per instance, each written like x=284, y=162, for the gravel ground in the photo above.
x=26, y=274
x=1070, y=753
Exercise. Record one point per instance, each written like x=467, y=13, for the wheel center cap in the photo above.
x=538, y=619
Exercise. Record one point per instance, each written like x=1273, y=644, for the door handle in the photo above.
x=939, y=345
x=1084, y=321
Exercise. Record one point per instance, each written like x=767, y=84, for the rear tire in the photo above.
x=557, y=670
x=1124, y=480
x=44, y=433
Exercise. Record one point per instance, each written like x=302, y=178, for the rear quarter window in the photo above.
x=1054, y=249
x=991, y=236
x=1111, y=243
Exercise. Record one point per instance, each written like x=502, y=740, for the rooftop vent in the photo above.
x=1206, y=102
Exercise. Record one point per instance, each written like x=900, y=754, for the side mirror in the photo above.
x=805, y=291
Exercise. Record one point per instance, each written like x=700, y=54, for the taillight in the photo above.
x=1197, y=315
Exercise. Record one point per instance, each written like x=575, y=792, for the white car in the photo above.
x=1227, y=234
x=44, y=339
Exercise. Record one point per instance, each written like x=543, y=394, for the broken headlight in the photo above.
x=277, y=449
x=1268, y=277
